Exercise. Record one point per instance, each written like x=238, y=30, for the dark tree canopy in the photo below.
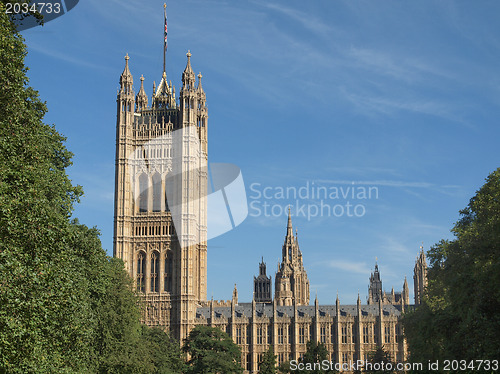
x=268, y=363
x=211, y=351
x=459, y=317
x=378, y=362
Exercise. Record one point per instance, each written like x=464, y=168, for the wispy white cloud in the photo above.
x=311, y=23
x=386, y=183
x=349, y=266
x=396, y=65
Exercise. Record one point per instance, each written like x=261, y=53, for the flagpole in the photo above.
x=164, y=34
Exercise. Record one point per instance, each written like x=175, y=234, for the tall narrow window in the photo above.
x=155, y=272
x=156, y=192
x=259, y=335
x=168, y=271
x=344, y=334
x=301, y=335
x=323, y=334
x=238, y=335
x=143, y=193
x=387, y=331
x=141, y=271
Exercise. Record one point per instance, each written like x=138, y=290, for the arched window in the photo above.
x=143, y=193
x=141, y=271
x=168, y=271
x=155, y=272
x=156, y=192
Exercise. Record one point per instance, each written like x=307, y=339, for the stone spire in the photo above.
x=199, y=88
x=235, y=295
x=188, y=77
x=291, y=282
x=420, y=276
x=141, y=99
x=126, y=79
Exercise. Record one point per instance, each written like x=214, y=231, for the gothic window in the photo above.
x=238, y=335
x=269, y=334
x=332, y=328
x=168, y=271
x=323, y=334
x=141, y=271
x=155, y=272
x=156, y=193
x=280, y=335
x=290, y=334
x=249, y=362
x=375, y=335
x=143, y=193
x=344, y=357
x=290, y=253
x=365, y=334
x=301, y=335
x=259, y=335
x=344, y=334
x=387, y=334
x=398, y=333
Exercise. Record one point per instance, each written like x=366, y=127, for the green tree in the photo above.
x=315, y=354
x=42, y=323
x=459, y=317
x=268, y=363
x=165, y=351
x=378, y=362
x=211, y=351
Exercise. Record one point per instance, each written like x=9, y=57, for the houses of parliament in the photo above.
x=160, y=232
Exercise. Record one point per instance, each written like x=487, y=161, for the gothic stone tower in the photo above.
x=420, y=276
x=375, y=287
x=262, y=285
x=160, y=222
x=292, y=284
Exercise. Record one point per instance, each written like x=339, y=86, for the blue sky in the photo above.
x=402, y=97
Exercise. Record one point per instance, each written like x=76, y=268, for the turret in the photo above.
x=420, y=276
x=406, y=293
x=125, y=99
x=188, y=76
x=141, y=99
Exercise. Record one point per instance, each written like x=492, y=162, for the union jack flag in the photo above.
x=165, y=31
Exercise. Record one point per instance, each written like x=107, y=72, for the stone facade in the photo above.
x=161, y=177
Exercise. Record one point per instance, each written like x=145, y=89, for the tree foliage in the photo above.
x=211, y=351
x=268, y=363
x=315, y=354
x=378, y=362
x=65, y=306
x=459, y=317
